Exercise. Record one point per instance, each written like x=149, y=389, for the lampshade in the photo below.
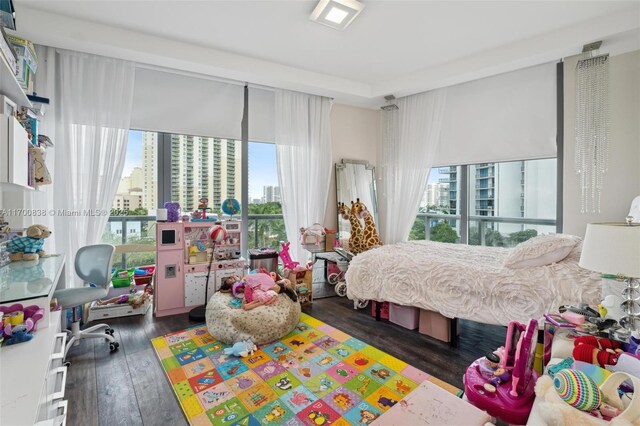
x=612, y=248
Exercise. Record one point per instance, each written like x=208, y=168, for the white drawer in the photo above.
x=59, y=415
x=59, y=346
x=58, y=376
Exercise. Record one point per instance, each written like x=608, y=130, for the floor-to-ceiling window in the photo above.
x=506, y=203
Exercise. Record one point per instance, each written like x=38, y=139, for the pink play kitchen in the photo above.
x=184, y=251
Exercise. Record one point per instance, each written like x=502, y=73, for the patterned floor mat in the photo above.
x=316, y=375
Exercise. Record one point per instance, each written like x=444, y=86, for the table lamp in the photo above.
x=614, y=248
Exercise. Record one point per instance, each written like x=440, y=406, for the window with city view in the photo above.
x=266, y=225
x=133, y=213
x=508, y=203
x=199, y=167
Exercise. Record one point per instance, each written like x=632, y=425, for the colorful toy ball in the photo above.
x=217, y=233
x=577, y=389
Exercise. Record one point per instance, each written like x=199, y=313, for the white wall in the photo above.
x=354, y=136
x=622, y=181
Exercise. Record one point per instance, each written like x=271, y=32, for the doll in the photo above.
x=259, y=289
x=134, y=299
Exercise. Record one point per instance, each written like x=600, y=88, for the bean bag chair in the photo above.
x=261, y=325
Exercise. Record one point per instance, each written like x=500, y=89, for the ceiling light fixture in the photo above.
x=336, y=14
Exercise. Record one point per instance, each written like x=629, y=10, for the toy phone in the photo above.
x=525, y=356
x=513, y=336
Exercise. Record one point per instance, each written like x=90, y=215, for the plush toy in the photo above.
x=596, y=351
x=370, y=237
x=241, y=349
x=30, y=247
x=173, y=211
x=20, y=323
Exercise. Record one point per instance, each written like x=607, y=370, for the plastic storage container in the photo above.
x=143, y=278
x=435, y=325
x=384, y=310
x=120, y=281
x=405, y=316
x=263, y=258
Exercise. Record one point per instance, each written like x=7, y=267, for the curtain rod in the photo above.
x=202, y=76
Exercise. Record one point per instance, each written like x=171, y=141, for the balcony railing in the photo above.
x=479, y=227
x=265, y=230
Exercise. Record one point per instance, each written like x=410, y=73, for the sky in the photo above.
x=262, y=163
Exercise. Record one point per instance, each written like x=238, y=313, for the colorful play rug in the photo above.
x=316, y=375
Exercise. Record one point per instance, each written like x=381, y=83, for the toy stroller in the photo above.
x=338, y=278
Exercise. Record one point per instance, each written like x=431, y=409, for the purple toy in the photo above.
x=173, y=211
x=509, y=395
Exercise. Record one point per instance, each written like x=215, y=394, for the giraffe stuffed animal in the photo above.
x=370, y=237
x=355, y=239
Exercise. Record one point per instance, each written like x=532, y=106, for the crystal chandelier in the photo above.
x=592, y=127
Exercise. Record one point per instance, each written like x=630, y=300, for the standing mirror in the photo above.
x=355, y=179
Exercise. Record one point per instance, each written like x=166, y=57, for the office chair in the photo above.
x=93, y=265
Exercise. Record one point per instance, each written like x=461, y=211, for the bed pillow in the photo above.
x=541, y=250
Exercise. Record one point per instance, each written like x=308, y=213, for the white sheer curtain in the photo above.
x=410, y=137
x=94, y=97
x=303, y=151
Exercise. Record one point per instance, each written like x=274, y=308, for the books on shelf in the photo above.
x=8, y=53
x=27, y=61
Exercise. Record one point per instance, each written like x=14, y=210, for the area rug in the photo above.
x=316, y=375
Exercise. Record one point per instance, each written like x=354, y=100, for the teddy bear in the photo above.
x=173, y=211
x=30, y=247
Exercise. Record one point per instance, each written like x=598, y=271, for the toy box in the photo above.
x=384, y=309
x=263, y=258
x=435, y=325
x=405, y=316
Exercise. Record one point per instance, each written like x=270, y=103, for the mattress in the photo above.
x=468, y=282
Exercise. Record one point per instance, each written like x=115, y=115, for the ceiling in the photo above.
x=398, y=47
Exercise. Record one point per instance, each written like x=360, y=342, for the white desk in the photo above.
x=32, y=283
x=32, y=377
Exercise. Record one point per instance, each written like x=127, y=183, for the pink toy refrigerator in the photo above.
x=169, y=289
x=510, y=401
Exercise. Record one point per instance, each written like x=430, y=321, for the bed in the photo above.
x=472, y=282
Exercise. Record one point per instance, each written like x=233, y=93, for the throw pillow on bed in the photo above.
x=541, y=250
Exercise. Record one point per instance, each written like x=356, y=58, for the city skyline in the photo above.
x=262, y=162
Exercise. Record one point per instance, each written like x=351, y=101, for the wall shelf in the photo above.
x=10, y=87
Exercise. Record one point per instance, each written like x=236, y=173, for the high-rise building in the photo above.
x=512, y=189
x=270, y=194
x=204, y=167
x=436, y=195
x=149, y=170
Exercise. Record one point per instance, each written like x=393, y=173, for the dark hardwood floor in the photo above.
x=129, y=387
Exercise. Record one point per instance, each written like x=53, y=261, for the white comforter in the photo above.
x=468, y=282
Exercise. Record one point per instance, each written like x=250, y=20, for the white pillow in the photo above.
x=541, y=250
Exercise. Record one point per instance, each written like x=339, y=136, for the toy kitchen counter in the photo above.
x=32, y=283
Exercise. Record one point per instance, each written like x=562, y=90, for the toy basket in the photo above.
x=119, y=281
x=143, y=275
x=343, y=265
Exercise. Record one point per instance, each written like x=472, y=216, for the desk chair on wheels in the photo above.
x=92, y=265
